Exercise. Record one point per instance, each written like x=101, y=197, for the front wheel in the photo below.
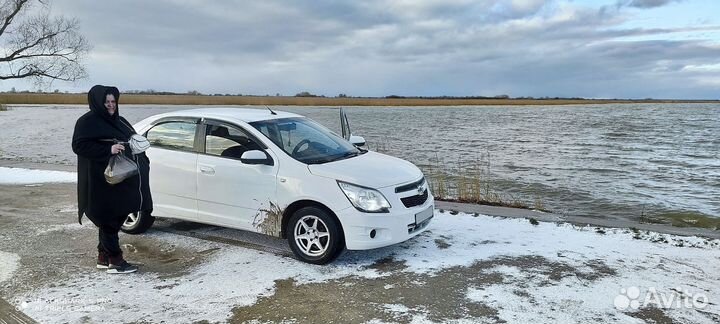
x=315, y=236
x=137, y=223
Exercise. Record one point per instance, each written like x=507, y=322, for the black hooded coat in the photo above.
x=101, y=202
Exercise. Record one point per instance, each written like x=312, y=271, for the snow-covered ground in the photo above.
x=30, y=176
x=8, y=264
x=549, y=273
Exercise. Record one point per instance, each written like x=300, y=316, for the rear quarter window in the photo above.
x=179, y=136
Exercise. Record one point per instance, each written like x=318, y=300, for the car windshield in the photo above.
x=306, y=140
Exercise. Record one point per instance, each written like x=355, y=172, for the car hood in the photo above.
x=372, y=169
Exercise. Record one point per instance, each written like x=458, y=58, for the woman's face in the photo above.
x=110, y=104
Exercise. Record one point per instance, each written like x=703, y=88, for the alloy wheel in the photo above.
x=312, y=235
x=131, y=220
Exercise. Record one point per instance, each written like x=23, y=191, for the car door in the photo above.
x=173, y=163
x=230, y=192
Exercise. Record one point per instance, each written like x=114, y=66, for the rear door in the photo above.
x=232, y=193
x=173, y=163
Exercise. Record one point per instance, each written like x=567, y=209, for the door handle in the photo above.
x=207, y=170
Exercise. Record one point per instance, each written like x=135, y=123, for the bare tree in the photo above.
x=35, y=45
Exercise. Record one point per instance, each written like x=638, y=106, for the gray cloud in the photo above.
x=381, y=47
x=644, y=4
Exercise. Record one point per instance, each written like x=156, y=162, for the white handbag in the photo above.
x=138, y=143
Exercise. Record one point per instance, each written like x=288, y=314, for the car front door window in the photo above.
x=230, y=142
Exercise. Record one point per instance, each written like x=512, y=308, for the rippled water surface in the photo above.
x=601, y=160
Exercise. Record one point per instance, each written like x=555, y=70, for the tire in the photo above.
x=315, y=236
x=137, y=223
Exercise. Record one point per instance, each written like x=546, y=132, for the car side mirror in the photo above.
x=256, y=157
x=357, y=140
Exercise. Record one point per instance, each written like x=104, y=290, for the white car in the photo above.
x=284, y=175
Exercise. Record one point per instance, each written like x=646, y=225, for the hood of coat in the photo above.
x=96, y=100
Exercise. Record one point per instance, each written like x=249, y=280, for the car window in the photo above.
x=225, y=141
x=306, y=131
x=173, y=135
x=305, y=140
x=270, y=131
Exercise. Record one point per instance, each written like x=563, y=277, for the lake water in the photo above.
x=615, y=161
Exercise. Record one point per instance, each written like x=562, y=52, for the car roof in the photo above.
x=247, y=115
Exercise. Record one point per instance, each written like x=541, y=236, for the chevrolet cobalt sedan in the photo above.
x=284, y=175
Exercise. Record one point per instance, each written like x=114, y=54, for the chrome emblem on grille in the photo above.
x=421, y=189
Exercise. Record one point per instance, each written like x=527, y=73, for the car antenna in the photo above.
x=271, y=111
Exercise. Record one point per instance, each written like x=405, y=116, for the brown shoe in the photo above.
x=102, y=260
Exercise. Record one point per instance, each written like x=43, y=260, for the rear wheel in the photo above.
x=137, y=223
x=315, y=236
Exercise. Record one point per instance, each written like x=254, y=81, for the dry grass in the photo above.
x=381, y=146
x=469, y=182
x=269, y=220
x=60, y=98
x=685, y=219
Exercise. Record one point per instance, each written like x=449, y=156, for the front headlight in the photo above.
x=365, y=199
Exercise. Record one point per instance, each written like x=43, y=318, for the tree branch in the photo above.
x=8, y=20
x=22, y=49
x=42, y=47
x=32, y=71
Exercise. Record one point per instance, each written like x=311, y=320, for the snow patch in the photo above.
x=31, y=176
x=9, y=263
x=64, y=227
x=68, y=209
x=396, y=308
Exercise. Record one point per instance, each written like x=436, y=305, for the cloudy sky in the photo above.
x=566, y=48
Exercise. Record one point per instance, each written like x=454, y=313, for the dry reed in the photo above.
x=470, y=183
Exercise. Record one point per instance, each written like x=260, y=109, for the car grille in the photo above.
x=413, y=201
x=411, y=186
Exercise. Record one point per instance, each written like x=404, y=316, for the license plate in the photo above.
x=424, y=215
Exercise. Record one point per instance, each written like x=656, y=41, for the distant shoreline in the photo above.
x=38, y=98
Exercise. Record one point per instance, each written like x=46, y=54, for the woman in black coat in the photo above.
x=106, y=205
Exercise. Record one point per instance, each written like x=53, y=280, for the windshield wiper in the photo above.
x=344, y=156
x=335, y=158
x=315, y=161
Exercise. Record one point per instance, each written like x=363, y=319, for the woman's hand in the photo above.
x=117, y=148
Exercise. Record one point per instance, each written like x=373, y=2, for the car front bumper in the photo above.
x=364, y=231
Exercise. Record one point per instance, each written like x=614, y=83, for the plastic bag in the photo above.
x=119, y=168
